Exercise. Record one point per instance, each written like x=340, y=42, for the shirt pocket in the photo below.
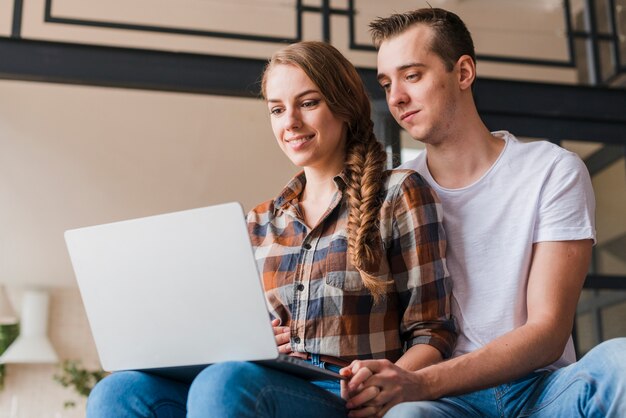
x=348, y=281
x=340, y=273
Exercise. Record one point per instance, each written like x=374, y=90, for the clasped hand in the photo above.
x=372, y=387
x=375, y=386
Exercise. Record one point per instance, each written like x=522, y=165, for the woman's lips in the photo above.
x=297, y=142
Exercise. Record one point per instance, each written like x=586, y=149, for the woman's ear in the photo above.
x=467, y=71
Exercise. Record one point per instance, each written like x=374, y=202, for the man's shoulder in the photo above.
x=416, y=164
x=518, y=152
x=532, y=146
x=541, y=153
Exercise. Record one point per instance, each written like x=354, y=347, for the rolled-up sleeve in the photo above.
x=418, y=265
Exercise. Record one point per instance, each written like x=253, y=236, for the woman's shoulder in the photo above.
x=398, y=177
x=262, y=211
x=407, y=184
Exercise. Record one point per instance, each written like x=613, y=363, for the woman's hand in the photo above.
x=375, y=386
x=360, y=399
x=282, y=335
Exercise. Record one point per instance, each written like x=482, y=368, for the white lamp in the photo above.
x=32, y=345
x=7, y=313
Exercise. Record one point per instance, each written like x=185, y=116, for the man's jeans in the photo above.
x=231, y=389
x=594, y=387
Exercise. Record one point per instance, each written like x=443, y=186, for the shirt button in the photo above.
x=306, y=246
x=296, y=340
x=300, y=287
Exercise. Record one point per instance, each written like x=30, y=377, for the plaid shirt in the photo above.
x=313, y=288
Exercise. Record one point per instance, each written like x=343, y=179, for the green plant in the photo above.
x=72, y=374
x=8, y=334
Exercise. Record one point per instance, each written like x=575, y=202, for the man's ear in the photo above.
x=467, y=71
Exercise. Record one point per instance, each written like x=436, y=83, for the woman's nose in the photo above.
x=292, y=120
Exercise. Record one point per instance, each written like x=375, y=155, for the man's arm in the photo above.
x=555, y=280
x=415, y=358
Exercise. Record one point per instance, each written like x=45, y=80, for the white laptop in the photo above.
x=172, y=293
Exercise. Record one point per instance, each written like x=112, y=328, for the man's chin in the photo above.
x=419, y=136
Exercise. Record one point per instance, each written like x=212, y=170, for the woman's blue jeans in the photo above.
x=231, y=389
x=594, y=387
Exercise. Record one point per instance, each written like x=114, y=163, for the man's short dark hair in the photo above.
x=451, y=39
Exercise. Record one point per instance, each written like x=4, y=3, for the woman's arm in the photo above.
x=417, y=261
x=419, y=356
x=416, y=256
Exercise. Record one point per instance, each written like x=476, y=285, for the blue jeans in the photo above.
x=594, y=387
x=231, y=389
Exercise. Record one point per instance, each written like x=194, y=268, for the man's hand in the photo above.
x=282, y=335
x=374, y=386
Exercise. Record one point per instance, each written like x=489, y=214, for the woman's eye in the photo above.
x=276, y=111
x=310, y=103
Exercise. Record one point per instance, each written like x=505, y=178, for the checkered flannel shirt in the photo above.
x=313, y=288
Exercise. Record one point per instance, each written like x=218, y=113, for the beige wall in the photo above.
x=610, y=189
x=73, y=156
x=529, y=29
x=6, y=12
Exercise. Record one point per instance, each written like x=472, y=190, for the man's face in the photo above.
x=421, y=93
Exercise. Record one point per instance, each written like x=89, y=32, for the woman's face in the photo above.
x=305, y=128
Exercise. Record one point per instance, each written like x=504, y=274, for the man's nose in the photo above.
x=397, y=95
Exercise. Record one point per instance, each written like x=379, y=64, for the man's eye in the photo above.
x=413, y=76
x=385, y=86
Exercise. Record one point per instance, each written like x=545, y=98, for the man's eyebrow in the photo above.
x=401, y=68
x=304, y=93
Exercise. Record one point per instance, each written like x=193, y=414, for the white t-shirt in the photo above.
x=534, y=192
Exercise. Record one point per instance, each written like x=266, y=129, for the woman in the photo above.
x=351, y=256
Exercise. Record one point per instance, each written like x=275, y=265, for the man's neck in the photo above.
x=459, y=161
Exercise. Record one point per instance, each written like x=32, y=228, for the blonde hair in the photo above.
x=343, y=91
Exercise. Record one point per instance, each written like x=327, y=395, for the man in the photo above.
x=519, y=219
